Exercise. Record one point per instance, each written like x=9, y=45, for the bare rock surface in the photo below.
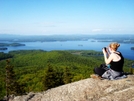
x=86, y=90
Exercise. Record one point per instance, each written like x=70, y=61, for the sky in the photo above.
x=52, y=17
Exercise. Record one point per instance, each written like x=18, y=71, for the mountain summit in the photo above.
x=86, y=90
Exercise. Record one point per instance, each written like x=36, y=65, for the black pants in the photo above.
x=100, y=70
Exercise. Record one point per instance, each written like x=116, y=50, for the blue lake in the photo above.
x=72, y=45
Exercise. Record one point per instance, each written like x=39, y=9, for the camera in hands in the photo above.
x=107, y=50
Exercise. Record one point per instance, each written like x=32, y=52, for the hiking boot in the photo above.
x=94, y=76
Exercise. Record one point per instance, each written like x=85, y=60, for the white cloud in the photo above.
x=97, y=30
x=102, y=30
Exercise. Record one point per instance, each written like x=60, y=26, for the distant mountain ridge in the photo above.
x=125, y=38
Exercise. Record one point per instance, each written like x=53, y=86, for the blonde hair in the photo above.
x=114, y=45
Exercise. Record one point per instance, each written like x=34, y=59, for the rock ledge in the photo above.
x=86, y=90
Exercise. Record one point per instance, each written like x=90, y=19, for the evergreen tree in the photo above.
x=19, y=88
x=67, y=76
x=12, y=86
x=51, y=78
x=10, y=79
x=2, y=92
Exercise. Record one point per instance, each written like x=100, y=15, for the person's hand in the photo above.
x=104, y=51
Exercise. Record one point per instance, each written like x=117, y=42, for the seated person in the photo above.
x=113, y=58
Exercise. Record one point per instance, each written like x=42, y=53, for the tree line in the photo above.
x=37, y=70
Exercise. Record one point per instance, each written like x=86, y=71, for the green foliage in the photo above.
x=12, y=86
x=52, y=78
x=36, y=70
x=2, y=88
x=5, y=56
x=10, y=79
x=128, y=65
x=67, y=76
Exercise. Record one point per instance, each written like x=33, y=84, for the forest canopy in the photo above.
x=33, y=68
